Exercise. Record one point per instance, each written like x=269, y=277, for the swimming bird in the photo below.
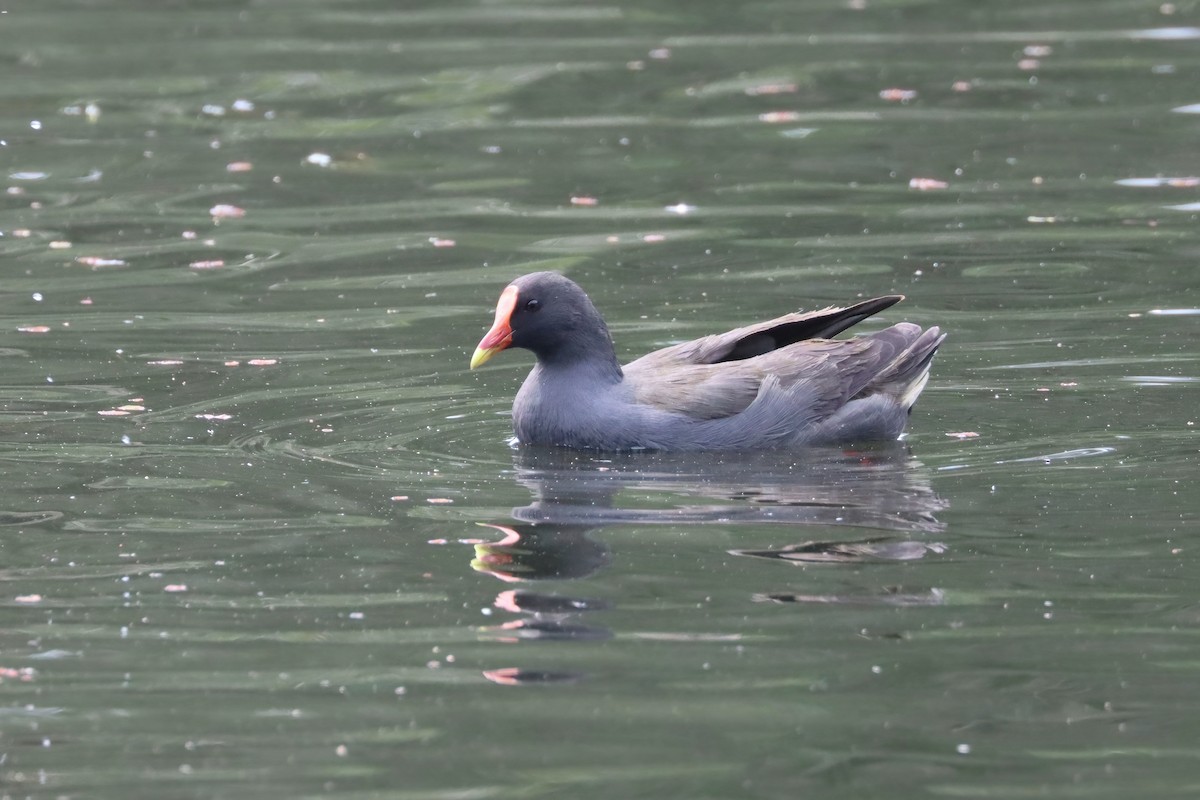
x=782, y=383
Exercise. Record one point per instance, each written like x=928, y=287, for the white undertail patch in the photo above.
x=911, y=392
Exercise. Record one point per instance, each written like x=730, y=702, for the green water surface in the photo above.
x=263, y=534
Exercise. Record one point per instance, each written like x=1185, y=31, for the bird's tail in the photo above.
x=906, y=375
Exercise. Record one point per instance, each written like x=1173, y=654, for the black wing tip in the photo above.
x=870, y=307
x=837, y=320
x=886, y=300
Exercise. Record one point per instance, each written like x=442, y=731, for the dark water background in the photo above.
x=262, y=534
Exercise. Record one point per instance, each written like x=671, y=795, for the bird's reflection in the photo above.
x=884, y=490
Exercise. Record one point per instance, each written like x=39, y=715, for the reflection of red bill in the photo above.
x=511, y=536
x=509, y=676
x=515, y=676
x=491, y=558
x=491, y=564
x=507, y=601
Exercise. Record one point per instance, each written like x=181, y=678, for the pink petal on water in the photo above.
x=896, y=95
x=926, y=184
x=226, y=211
x=96, y=262
x=771, y=88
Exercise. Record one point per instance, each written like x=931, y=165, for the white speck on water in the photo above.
x=1174, y=312
x=1166, y=34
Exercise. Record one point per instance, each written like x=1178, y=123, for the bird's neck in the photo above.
x=589, y=354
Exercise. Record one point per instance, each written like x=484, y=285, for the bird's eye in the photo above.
x=533, y=305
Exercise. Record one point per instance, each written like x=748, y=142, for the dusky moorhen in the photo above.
x=780, y=383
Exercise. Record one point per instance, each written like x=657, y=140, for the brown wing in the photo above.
x=717, y=376
x=836, y=370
